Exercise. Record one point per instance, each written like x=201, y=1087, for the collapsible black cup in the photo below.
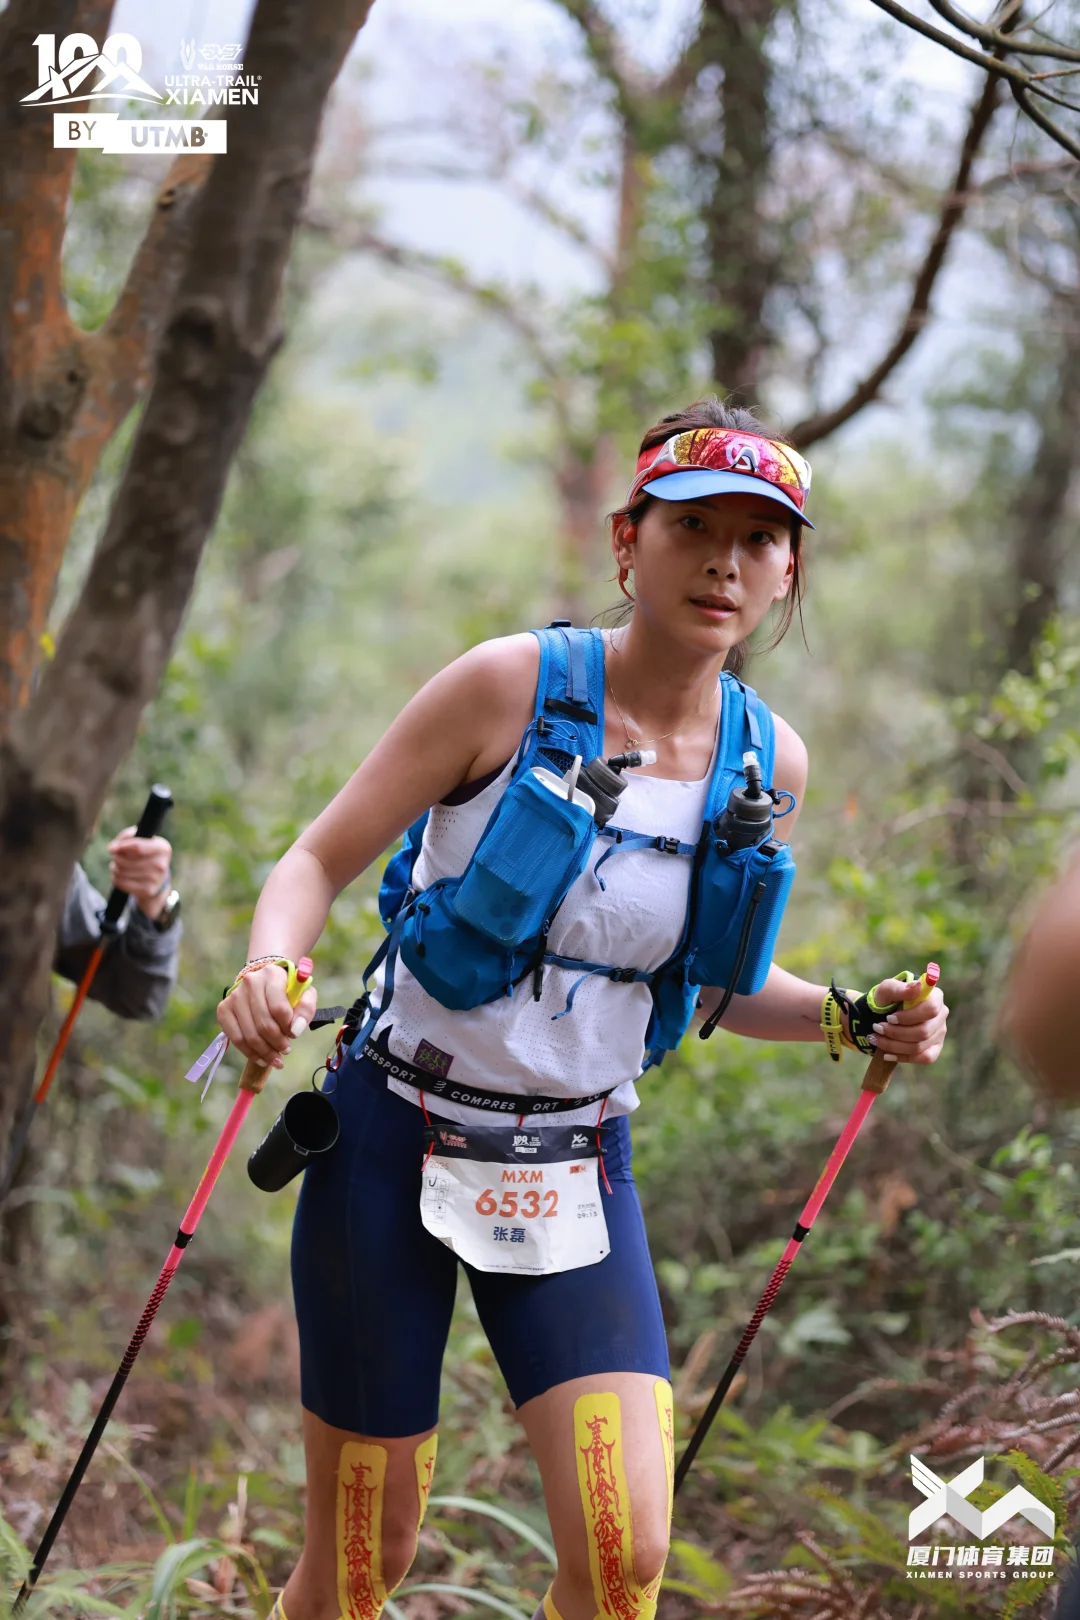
x=307, y=1126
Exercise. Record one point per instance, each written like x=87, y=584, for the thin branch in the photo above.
x=993, y=756
x=603, y=45
x=488, y=296
x=956, y=200
x=991, y=64
x=559, y=220
x=997, y=40
x=1035, y=169
x=530, y=197
x=1023, y=100
x=602, y=41
x=1019, y=78
x=892, y=175
x=679, y=80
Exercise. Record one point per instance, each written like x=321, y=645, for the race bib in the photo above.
x=515, y=1199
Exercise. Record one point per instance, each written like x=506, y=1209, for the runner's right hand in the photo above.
x=257, y=1017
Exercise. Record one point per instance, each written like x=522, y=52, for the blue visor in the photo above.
x=697, y=482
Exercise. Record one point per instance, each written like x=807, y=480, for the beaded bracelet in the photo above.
x=257, y=962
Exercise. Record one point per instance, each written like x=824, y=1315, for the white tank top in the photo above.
x=519, y=1045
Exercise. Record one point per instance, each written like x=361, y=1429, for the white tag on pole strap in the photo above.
x=207, y=1062
x=515, y=1199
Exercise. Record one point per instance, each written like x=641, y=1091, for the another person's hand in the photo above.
x=257, y=1016
x=910, y=1034
x=141, y=867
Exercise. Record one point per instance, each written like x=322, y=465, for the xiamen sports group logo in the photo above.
x=75, y=70
x=948, y=1499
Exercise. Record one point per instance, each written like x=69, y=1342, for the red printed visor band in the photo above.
x=723, y=461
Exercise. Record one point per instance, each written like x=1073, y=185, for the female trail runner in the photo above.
x=711, y=536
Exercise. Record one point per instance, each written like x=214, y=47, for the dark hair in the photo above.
x=707, y=413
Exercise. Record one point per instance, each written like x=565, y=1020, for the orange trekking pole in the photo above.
x=252, y=1081
x=875, y=1080
x=157, y=807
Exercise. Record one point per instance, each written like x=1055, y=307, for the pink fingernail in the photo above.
x=298, y=1027
x=890, y=1057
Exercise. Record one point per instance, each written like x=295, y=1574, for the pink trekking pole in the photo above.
x=877, y=1077
x=252, y=1082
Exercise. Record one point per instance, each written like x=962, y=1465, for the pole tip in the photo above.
x=933, y=974
x=305, y=968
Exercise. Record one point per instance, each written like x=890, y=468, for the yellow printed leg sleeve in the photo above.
x=547, y=1610
x=605, y=1498
x=361, y=1482
x=665, y=1412
x=361, y=1485
x=425, y=1472
x=424, y=1458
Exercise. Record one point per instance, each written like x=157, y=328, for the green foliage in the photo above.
x=163, y=1590
x=393, y=503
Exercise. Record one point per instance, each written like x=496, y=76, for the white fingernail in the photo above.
x=298, y=1026
x=890, y=1057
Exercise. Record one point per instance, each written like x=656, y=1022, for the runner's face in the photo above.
x=708, y=571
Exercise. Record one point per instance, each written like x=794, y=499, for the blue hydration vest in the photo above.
x=473, y=938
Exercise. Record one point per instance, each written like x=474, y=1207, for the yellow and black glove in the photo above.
x=862, y=1012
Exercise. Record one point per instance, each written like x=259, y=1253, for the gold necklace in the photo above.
x=642, y=742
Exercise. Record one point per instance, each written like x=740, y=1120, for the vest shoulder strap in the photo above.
x=568, y=712
x=745, y=722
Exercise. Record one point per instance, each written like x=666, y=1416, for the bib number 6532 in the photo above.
x=530, y=1205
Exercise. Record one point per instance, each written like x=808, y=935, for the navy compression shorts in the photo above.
x=374, y=1291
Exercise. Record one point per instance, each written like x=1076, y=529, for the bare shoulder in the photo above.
x=489, y=691
x=500, y=674
x=792, y=765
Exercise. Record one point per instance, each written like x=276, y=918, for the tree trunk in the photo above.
x=63, y=392
x=743, y=266
x=220, y=335
x=1036, y=533
x=583, y=482
x=1039, y=544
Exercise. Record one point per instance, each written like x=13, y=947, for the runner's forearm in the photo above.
x=786, y=1009
x=293, y=907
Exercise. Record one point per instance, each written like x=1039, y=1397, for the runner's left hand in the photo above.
x=910, y=1034
x=140, y=867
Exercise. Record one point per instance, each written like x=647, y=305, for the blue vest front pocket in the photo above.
x=741, y=904
x=467, y=940
x=529, y=855
x=459, y=966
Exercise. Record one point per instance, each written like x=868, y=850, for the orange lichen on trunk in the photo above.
x=64, y=392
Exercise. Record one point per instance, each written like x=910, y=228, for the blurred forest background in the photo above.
x=631, y=220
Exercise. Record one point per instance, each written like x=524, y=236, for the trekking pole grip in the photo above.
x=878, y=1072
x=158, y=804
x=256, y=1074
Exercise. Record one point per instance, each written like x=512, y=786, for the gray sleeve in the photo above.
x=139, y=966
